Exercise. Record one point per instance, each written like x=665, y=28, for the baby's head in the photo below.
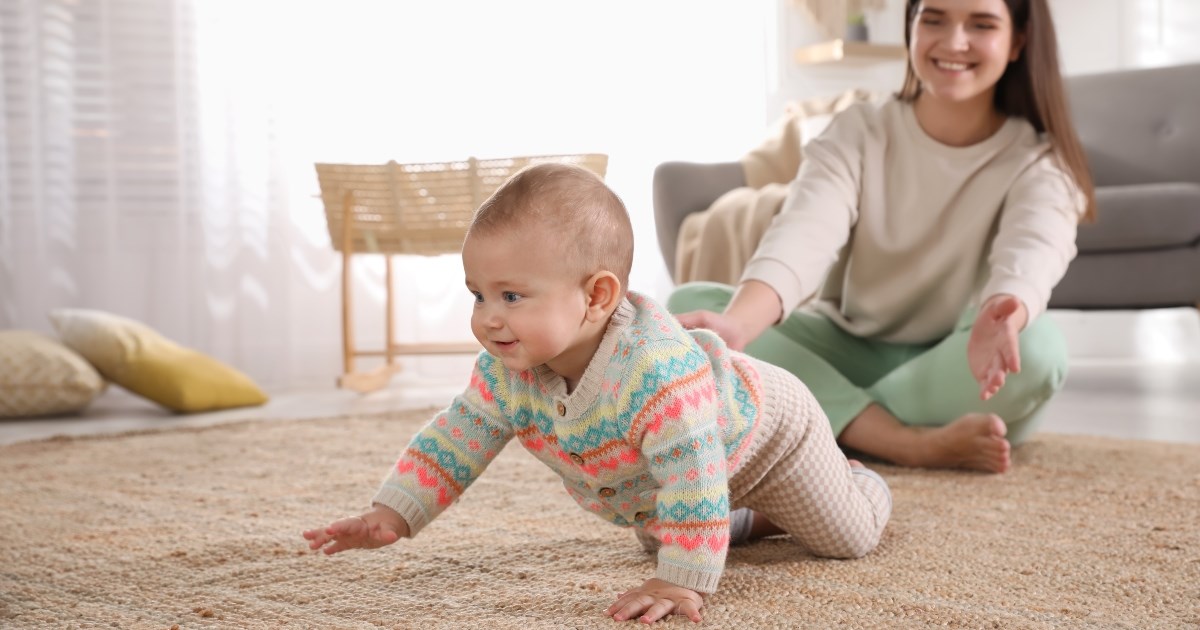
x=547, y=258
x=567, y=210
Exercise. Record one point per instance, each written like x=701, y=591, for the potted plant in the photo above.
x=856, y=27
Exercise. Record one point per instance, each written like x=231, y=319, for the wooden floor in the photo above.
x=1132, y=375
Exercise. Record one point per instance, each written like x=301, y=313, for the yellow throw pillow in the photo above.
x=39, y=376
x=141, y=360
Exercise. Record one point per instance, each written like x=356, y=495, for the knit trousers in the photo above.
x=796, y=476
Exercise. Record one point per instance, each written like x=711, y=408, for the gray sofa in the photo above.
x=1141, y=131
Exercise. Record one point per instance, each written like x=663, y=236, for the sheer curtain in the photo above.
x=156, y=155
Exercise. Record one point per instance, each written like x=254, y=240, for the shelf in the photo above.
x=840, y=51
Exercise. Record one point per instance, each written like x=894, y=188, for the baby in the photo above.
x=650, y=426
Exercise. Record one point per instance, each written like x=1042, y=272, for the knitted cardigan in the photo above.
x=649, y=438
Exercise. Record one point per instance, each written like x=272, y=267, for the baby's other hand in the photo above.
x=656, y=599
x=376, y=528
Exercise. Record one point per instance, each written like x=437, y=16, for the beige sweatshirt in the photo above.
x=899, y=233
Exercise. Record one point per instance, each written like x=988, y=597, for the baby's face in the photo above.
x=529, y=307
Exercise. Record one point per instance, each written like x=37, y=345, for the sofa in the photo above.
x=1141, y=131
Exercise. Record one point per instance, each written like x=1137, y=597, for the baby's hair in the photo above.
x=588, y=222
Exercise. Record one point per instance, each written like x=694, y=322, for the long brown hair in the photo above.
x=1031, y=87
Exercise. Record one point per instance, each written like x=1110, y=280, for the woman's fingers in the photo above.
x=696, y=319
x=1012, y=354
x=993, y=379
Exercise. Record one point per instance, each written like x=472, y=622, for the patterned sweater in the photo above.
x=650, y=437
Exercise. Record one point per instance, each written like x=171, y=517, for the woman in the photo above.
x=923, y=235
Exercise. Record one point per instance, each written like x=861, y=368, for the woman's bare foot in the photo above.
x=974, y=441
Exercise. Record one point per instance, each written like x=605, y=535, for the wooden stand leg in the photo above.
x=390, y=349
x=379, y=377
x=347, y=250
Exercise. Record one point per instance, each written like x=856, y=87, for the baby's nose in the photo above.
x=492, y=318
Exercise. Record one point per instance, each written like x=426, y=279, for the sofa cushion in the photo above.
x=39, y=376
x=1140, y=125
x=1143, y=216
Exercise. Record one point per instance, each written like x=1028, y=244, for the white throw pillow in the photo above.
x=40, y=376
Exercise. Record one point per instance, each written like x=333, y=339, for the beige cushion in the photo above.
x=144, y=362
x=39, y=376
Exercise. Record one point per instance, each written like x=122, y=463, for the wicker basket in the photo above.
x=418, y=208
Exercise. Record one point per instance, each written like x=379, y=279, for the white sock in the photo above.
x=740, y=521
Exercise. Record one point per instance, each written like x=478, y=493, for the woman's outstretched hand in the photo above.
x=993, y=350
x=754, y=307
x=656, y=599
x=725, y=326
x=376, y=528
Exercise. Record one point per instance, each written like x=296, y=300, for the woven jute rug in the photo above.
x=200, y=528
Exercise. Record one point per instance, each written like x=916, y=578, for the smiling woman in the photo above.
x=996, y=52
x=922, y=236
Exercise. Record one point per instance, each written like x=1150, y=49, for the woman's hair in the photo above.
x=1031, y=87
x=588, y=221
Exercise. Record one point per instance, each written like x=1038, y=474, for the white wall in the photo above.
x=1094, y=36
x=1103, y=35
x=789, y=81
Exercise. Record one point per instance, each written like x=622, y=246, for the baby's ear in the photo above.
x=603, y=293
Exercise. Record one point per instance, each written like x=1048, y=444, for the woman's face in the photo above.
x=960, y=48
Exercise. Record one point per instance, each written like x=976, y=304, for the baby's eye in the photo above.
x=985, y=26
x=478, y=297
x=510, y=297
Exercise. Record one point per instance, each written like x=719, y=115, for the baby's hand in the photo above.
x=379, y=527
x=656, y=599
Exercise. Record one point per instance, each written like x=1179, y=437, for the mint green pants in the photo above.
x=922, y=385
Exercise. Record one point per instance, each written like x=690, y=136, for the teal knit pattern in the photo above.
x=648, y=438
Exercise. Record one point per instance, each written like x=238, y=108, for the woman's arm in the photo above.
x=1030, y=252
x=1035, y=240
x=754, y=308
x=805, y=238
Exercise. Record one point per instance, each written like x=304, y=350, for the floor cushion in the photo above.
x=40, y=376
x=138, y=358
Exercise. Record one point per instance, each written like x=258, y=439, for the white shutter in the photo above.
x=1164, y=32
x=94, y=158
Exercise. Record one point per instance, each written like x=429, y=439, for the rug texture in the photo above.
x=201, y=529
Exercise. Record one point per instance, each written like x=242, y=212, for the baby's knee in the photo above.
x=860, y=537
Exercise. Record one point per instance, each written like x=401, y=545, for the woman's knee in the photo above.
x=1044, y=362
x=1044, y=357
x=699, y=296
